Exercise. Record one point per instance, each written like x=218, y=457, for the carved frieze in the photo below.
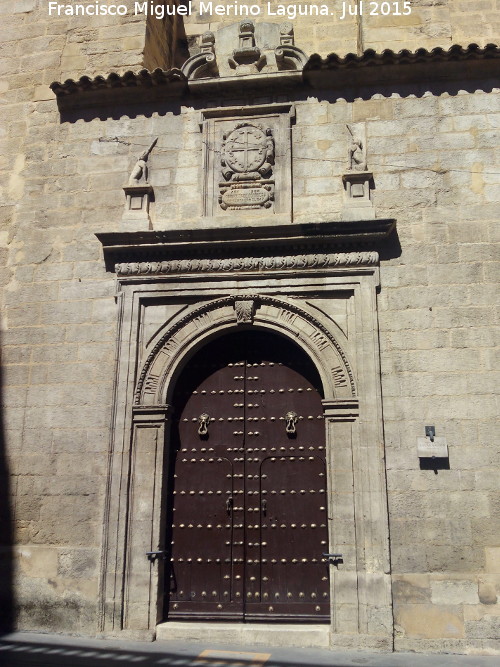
x=236, y=264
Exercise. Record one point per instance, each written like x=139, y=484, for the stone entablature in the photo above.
x=274, y=248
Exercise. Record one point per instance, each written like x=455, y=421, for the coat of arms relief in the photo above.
x=247, y=148
x=247, y=161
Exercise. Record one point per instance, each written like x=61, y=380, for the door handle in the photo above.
x=203, y=422
x=291, y=419
x=264, y=506
x=229, y=504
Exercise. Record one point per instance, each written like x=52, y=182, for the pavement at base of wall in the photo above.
x=28, y=649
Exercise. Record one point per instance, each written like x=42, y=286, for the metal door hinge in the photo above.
x=333, y=558
x=156, y=555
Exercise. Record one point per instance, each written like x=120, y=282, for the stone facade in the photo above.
x=411, y=308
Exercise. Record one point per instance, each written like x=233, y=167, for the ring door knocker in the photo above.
x=291, y=419
x=203, y=422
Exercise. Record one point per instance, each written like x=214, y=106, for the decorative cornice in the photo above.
x=370, y=68
x=250, y=248
x=404, y=67
x=288, y=262
x=142, y=79
x=130, y=88
x=371, y=58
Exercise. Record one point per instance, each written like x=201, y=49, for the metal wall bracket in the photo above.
x=430, y=432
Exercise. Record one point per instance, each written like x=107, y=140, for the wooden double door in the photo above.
x=247, y=520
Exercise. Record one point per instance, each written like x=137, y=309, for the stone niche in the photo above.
x=247, y=166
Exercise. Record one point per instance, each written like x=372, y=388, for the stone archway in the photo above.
x=360, y=585
x=216, y=316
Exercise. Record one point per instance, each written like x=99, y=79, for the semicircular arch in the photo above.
x=177, y=344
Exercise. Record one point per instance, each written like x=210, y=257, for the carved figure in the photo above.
x=139, y=173
x=357, y=152
x=267, y=166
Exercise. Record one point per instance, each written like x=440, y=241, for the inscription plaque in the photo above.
x=241, y=197
x=427, y=448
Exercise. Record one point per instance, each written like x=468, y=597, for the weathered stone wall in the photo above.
x=58, y=313
x=438, y=333
x=435, y=162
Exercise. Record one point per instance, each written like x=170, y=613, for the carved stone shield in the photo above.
x=247, y=148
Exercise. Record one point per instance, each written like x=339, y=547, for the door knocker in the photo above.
x=203, y=421
x=291, y=418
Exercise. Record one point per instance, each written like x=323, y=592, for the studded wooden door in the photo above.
x=249, y=511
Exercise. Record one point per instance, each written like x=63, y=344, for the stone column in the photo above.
x=340, y=414
x=142, y=601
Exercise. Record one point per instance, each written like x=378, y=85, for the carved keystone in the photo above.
x=244, y=310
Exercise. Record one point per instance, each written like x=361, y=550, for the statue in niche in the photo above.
x=357, y=152
x=139, y=173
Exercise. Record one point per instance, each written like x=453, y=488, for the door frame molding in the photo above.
x=130, y=600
